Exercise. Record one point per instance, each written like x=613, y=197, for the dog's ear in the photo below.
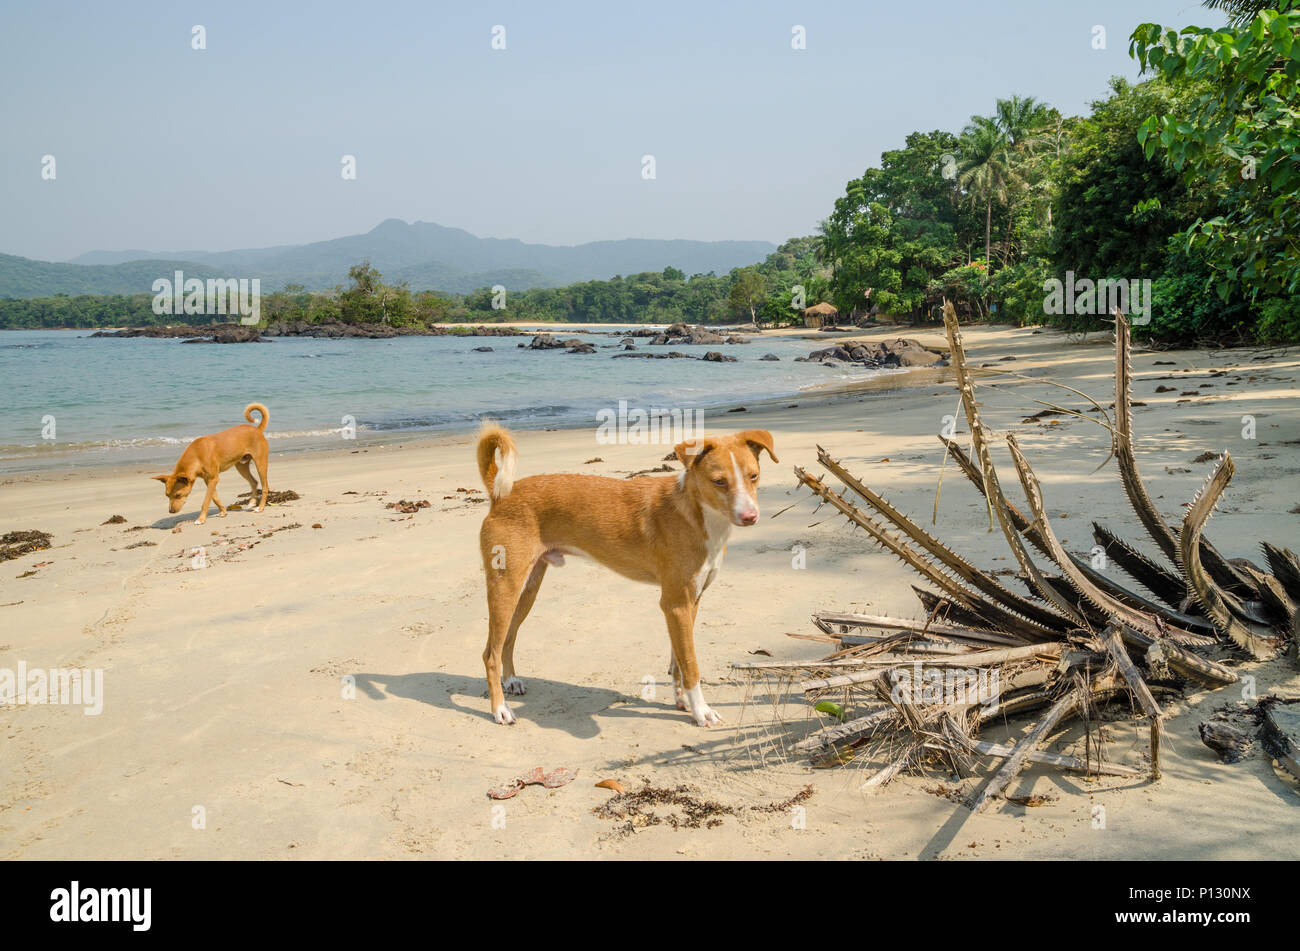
x=759, y=439
x=182, y=480
x=162, y=478
x=693, y=451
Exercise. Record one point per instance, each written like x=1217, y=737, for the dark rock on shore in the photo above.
x=228, y=333
x=670, y=355
x=485, y=330
x=180, y=330
x=334, y=329
x=211, y=333
x=886, y=353
x=547, y=342
x=685, y=335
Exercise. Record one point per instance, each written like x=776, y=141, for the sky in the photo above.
x=161, y=146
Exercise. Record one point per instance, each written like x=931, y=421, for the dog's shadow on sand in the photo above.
x=550, y=704
x=171, y=521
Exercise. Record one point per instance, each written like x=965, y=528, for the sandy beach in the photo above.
x=315, y=690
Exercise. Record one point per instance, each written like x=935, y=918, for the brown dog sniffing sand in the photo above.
x=208, y=456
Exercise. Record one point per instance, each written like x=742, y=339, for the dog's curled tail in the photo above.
x=496, y=460
x=248, y=414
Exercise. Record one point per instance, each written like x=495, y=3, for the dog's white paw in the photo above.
x=515, y=686
x=706, y=717
x=681, y=698
x=701, y=712
x=503, y=715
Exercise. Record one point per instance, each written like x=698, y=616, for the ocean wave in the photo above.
x=446, y=420
x=28, y=450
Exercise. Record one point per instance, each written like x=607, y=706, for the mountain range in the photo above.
x=428, y=256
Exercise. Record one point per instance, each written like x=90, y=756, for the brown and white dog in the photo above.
x=670, y=531
x=208, y=456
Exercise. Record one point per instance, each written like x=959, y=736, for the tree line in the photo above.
x=1189, y=180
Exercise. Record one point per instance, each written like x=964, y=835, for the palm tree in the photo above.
x=1021, y=118
x=1024, y=121
x=985, y=169
x=1241, y=12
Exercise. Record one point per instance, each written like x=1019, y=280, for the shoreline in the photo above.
x=881, y=383
x=532, y=327
x=873, y=382
x=99, y=457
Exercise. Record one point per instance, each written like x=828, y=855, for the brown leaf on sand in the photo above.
x=613, y=784
x=1032, y=800
x=537, y=776
x=533, y=776
x=559, y=777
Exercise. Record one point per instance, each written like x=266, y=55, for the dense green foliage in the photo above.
x=768, y=291
x=1240, y=136
x=85, y=310
x=1187, y=183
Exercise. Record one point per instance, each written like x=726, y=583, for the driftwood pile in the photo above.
x=1078, y=637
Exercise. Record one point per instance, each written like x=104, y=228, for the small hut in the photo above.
x=819, y=315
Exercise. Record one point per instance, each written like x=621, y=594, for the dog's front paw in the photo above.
x=515, y=686
x=706, y=716
x=504, y=716
x=701, y=712
x=681, y=698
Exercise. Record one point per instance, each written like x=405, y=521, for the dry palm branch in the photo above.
x=1077, y=638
